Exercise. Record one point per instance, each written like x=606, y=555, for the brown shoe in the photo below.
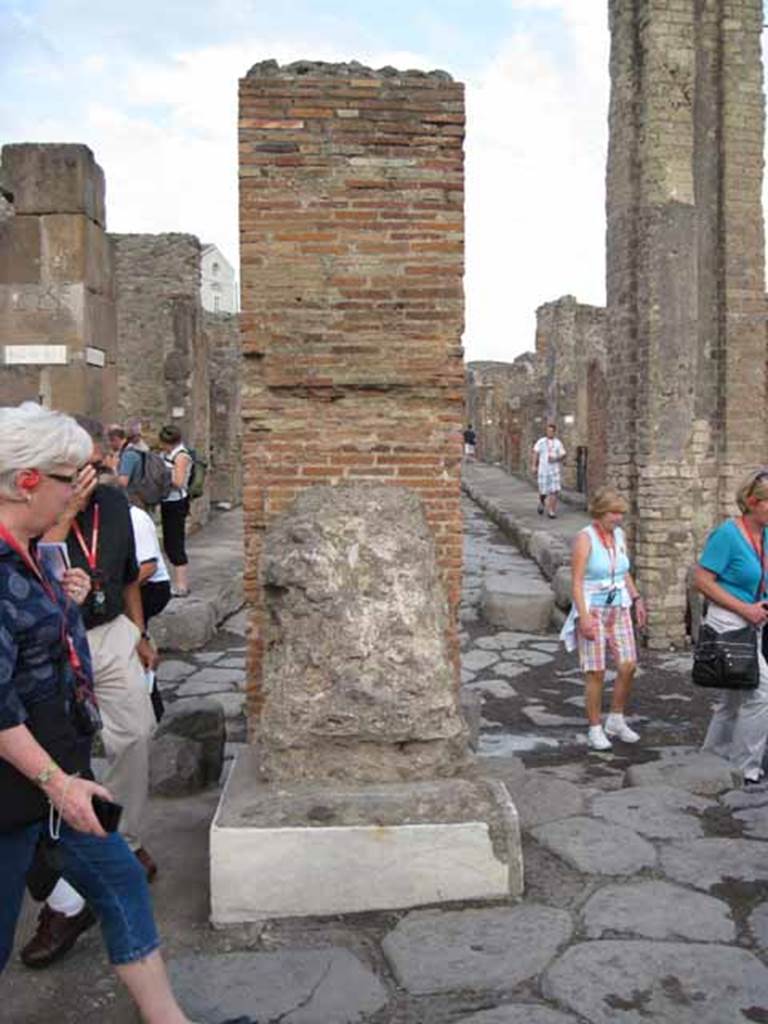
x=146, y=862
x=56, y=934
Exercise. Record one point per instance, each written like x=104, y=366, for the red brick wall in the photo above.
x=351, y=214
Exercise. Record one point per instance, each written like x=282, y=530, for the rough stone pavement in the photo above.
x=644, y=901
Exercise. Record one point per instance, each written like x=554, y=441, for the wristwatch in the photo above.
x=145, y=635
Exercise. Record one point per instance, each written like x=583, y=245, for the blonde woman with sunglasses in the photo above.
x=732, y=575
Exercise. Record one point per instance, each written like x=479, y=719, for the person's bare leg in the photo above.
x=625, y=673
x=594, y=696
x=147, y=982
x=181, y=577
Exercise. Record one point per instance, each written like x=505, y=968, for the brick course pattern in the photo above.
x=351, y=214
x=686, y=374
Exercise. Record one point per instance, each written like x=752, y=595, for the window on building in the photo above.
x=214, y=268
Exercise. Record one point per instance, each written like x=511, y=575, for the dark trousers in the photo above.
x=173, y=516
x=154, y=597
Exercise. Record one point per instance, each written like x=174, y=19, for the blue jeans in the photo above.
x=104, y=871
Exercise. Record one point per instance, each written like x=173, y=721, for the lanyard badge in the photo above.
x=98, y=597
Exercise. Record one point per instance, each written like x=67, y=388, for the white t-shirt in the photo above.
x=546, y=448
x=147, y=544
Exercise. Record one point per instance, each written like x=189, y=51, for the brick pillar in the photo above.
x=57, y=311
x=351, y=227
x=686, y=310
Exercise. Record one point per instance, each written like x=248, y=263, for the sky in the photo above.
x=151, y=87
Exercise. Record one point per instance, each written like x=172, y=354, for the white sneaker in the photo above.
x=597, y=739
x=616, y=725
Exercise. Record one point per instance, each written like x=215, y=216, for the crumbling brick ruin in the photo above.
x=686, y=374
x=351, y=199
x=57, y=312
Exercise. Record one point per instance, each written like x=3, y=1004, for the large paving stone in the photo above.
x=529, y=657
x=546, y=720
x=697, y=772
x=509, y=669
x=540, y=798
x=703, y=863
x=296, y=986
x=758, y=924
x=520, y=603
x=476, y=661
x=658, y=812
x=596, y=847
x=435, y=951
x=518, y=1013
x=657, y=910
x=755, y=821
x=642, y=982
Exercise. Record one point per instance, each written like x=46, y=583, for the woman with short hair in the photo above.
x=48, y=714
x=601, y=616
x=732, y=574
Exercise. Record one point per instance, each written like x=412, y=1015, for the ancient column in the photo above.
x=351, y=207
x=57, y=313
x=686, y=366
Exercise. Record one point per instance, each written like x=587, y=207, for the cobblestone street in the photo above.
x=646, y=892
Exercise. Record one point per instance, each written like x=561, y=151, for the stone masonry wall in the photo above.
x=56, y=281
x=351, y=212
x=225, y=366
x=162, y=352
x=686, y=309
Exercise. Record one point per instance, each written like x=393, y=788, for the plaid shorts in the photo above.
x=614, y=629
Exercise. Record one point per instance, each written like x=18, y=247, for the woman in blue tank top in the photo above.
x=601, y=616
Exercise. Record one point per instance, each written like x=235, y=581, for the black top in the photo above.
x=116, y=553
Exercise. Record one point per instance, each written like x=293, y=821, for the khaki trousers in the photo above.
x=129, y=721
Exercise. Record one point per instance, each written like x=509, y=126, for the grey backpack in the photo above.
x=155, y=480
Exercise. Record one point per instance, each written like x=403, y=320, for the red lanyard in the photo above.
x=92, y=551
x=26, y=557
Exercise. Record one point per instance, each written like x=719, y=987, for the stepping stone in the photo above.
x=494, y=948
x=506, y=668
x=595, y=847
x=171, y=671
x=295, y=986
x=519, y=603
x=543, y=798
x=703, y=863
x=518, y=1013
x=615, y=982
x=545, y=720
x=657, y=910
x=755, y=821
x=654, y=811
x=697, y=772
x=476, y=661
x=758, y=924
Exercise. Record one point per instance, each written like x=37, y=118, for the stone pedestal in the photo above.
x=309, y=849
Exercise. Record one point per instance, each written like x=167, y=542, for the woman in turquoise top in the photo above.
x=731, y=574
x=601, y=616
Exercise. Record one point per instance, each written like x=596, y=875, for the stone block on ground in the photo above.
x=698, y=772
x=175, y=765
x=703, y=863
x=615, y=982
x=184, y=625
x=548, y=551
x=596, y=847
x=496, y=948
x=202, y=721
x=518, y=1013
x=294, y=986
x=562, y=587
x=517, y=603
x=659, y=812
x=540, y=798
x=315, y=848
x=358, y=681
x=657, y=910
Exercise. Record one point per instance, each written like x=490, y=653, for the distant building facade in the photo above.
x=218, y=284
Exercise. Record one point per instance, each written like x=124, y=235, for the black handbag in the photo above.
x=726, y=661
x=55, y=728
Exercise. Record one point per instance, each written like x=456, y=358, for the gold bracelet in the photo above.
x=45, y=775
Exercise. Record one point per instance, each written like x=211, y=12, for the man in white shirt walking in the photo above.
x=547, y=456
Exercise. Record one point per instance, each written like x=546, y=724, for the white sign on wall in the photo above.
x=95, y=356
x=35, y=355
